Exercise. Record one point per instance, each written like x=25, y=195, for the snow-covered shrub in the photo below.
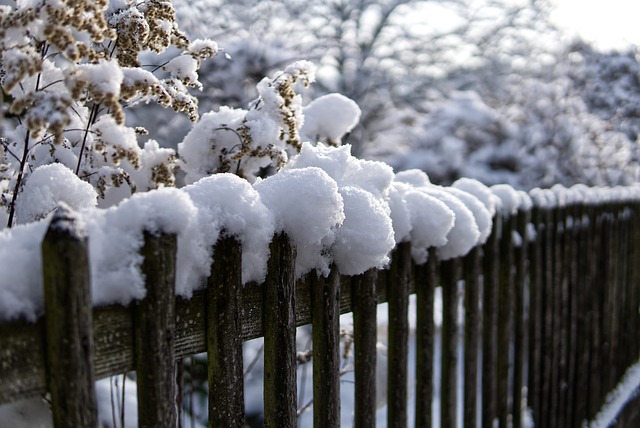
x=68, y=70
x=245, y=142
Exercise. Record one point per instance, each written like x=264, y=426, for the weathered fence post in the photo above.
x=449, y=384
x=491, y=267
x=398, y=297
x=224, y=343
x=154, y=333
x=471, y=332
x=595, y=299
x=505, y=318
x=547, y=318
x=521, y=332
x=535, y=314
x=325, y=320
x=583, y=314
x=68, y=317
x=364, y=302
x=426, y=277
x=279, y=321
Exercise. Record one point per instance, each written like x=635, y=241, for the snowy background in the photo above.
x=351, y=126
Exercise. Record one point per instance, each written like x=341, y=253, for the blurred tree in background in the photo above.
x=487, y=89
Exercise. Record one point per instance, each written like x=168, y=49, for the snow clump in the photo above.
x=328, y=118
x=308, y=207
x=366, y=237
x=464, y=234
x=47, y=186
x=225, y=203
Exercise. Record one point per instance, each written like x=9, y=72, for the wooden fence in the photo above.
x=551, y=322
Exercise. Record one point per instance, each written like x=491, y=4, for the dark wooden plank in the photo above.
x=280, y=335
x=69, y=327
x=426, y=278
x=490, y=324
x=22, y=364
x=595, y=390
x=154, y=326
x=547, y=317
x=471, y=333
x=535, y=315
x=505, y=319
x=325, y=313
x=224, y=344
x=521, y=333
x=365, y=339
x=398, y=295
x=22, y=342
x=583, y=316
x=449, y=363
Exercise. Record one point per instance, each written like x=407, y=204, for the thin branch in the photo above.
x=51, y=84
x=254, y=361
x=92, y=117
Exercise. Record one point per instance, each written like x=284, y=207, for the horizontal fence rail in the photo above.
x=550, y=323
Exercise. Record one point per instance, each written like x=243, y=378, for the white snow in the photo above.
x=48, y=185
x=366, y=237
x=479, y=190
x=225, y=202
x=627, y=389
x=308, y=207
x=116, y=237
x=509, y=198
x=328, y=118
x=21, y=291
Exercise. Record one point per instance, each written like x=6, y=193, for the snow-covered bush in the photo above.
x=68, y=70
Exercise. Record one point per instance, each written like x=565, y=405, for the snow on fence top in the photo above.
x=337, y=209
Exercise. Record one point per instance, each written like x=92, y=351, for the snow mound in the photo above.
x=48, y=185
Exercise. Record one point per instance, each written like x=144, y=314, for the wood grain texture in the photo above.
x=280, y=368
x=154, y=327
x=69, y=349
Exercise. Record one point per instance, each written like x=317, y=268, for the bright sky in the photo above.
x=607, y=23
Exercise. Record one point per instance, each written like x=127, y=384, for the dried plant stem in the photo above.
x=16, y=188
x=92, y=117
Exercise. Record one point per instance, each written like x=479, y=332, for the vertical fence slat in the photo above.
x=594, y=302
x=154, y=333
x=365, y=339
x=505, y=319
x=564, y=313
x=224, y=345
x=69, y=350
x=398, y=297
x=426, y=277
x=547, y=317
x=581, y=291
x=471, y=331
x=489, y=324
x=535, y=315
x=325, y=315
x=556, y=363
x=521, y=332
x=449, y=384
x=279, y=320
